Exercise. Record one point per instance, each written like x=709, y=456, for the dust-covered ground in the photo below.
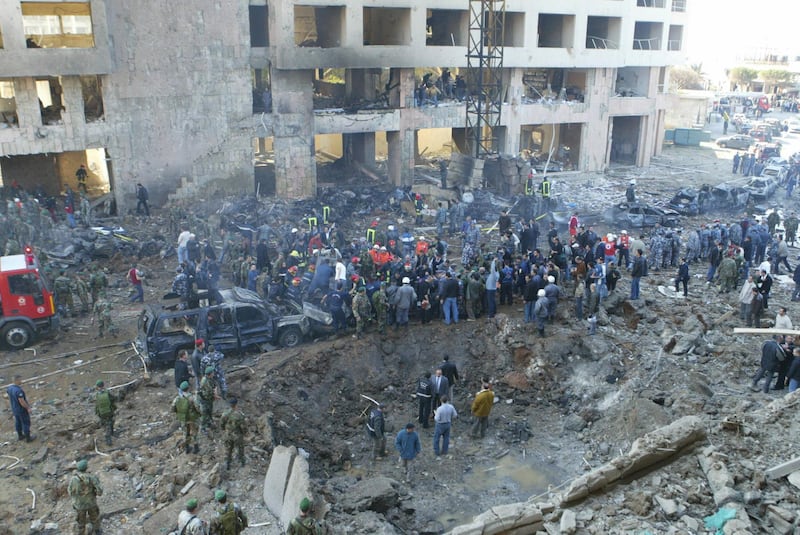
x=565, y=404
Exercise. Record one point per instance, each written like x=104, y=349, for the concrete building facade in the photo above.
x=164, y=93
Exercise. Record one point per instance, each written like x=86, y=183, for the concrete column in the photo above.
x=508, y=137
x=27, y=102
x=362, y=146
x=295, y=165
x=595, y=146
x=395, y=161
x=407, y=85
x=72, y=96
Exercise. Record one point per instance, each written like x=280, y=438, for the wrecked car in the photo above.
x=240, y=321
x=690, y=201
x=761, y=187
x=639, y=215
x=729, y=195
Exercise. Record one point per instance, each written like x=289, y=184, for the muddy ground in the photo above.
x=566, y=403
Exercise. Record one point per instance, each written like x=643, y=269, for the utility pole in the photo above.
x=485, y=75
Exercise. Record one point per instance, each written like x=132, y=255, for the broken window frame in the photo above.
x=53, y=107
x=99, y=108
x=58, y=24
x=9, y=117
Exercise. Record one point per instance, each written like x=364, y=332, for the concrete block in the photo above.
x=784, y=468
x=280, y=466
x=568, y=524
x=297, y=488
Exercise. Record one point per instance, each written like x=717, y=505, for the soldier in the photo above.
x=214, y=359
x=63, y=291
x=362, y=310
x=207, y=395
x=102, y=313
x=180, y=286
x=693, y=247
x=304, y=523
x=381, y=304
x=105, y=408
x=82, y=289
x=230, y=519
x=185, y=407
x=791, y=228
x=234, y=424
x=97, y=282
x=188, y=521
x=667, y=257
x=656, y=251
x=376, y=431
x=197, y=361
x=84, y=489
x=728, y=274
x=86, y=211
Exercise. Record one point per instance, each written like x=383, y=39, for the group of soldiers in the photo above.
x=91, y=295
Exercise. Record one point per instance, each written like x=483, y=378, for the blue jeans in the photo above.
x=579, y=307
x=450, y=310
x=22, y=423
x=402, y=316
x=529, y=311
x=182, y=256
x=793, y=384
x=139, y=295
x=635, y=287
x=443, y=431
x=490, y=298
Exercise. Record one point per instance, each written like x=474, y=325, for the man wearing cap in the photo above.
x=84, y=489
x=362, y=310
x=408, y=444
x=230, y=519
x=234, y=424
x=304, y=523
x=105, y=408
x=187, y=410
x=214, y=359
x=207, y=394
x=541, y=310
x=188, y=521
x=405, y=296
x=197, y=359
x=380, y=302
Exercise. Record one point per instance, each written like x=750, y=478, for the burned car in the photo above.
x=639, y=215
x=730, y=195
x=761, y=187
x=240, y=321
x=691, y=201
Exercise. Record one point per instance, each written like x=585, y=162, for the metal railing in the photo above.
x=600, y=43
x=674, y=44
x=647, y=44
x=679, y=6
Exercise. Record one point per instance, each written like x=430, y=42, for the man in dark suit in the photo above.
x=440, y=386
x=450, y=371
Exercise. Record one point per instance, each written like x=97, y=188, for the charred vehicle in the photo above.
x=242, y=320
x=730, y=195
x=640, y=215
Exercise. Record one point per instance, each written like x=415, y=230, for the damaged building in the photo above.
x=256, y=94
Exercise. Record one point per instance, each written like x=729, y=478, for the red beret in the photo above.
x=199, y=341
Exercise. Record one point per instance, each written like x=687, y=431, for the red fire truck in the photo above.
x=27, y=306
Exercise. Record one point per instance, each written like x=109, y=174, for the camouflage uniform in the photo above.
x=381, y=304
x=186, y=408
x=234, y=423
x=84, y=489
x=105, y=408
x=97, y=283
x=728, y=275
x=214, y=359
x=63, y=291
x=361, y=310
x=82, y=289
x=208, y=387
x=86, y=211
x=791, y=228
x=102, y=313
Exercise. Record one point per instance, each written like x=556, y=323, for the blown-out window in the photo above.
x=58, y=24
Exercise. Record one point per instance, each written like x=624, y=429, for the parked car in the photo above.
x=768, y=150
x=737, y=141
x=639, y=215
x=761, y=187
x=794, y=126
x=240, y=321
x=762, y=134
x=777, y=172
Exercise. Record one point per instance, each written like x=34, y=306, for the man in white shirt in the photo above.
x=782, y=320
x=183, y=239
x=443, y=416
x=188, y=521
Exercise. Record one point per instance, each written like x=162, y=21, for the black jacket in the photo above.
x=450, y=371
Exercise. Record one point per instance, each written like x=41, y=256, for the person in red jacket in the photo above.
x=135, y=277
x=573, y=224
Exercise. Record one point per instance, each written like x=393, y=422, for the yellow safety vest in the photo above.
x=370, y=235
x=546, y=189
x=529, y=186
x=312, y=222
x=326, y=213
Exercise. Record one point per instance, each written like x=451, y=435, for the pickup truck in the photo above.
x=240, y=321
